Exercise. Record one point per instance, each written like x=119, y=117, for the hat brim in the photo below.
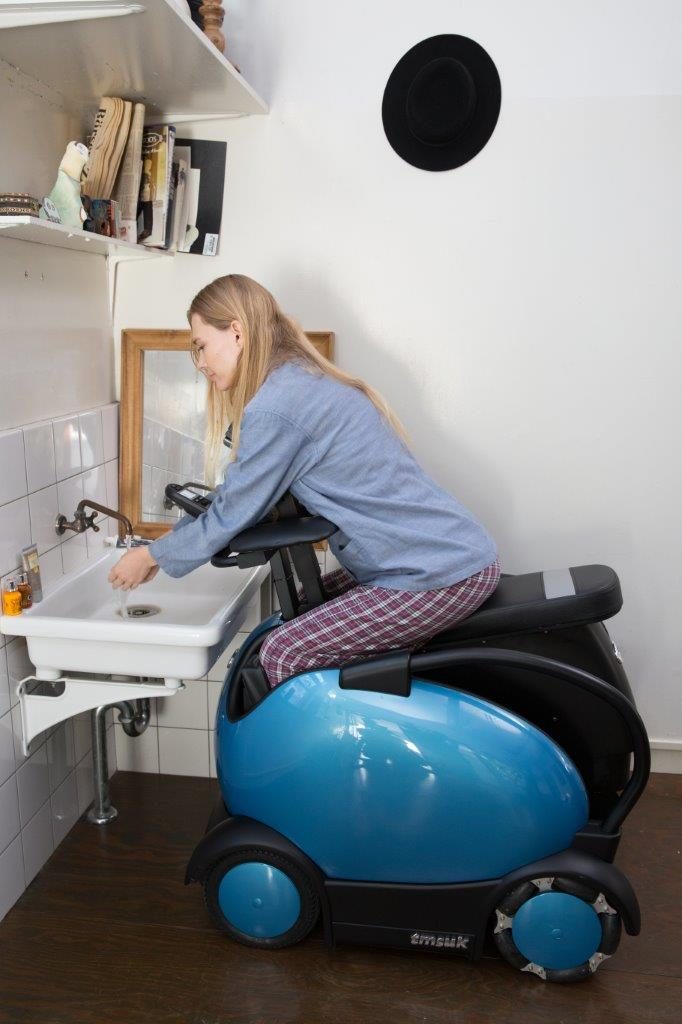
x=488, y=101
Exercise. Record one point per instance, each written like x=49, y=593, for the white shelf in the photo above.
x=31, y=229
x=157, y=57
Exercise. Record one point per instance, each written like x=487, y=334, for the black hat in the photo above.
x=441, y=102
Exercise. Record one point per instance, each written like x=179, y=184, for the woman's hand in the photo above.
x=137, y=566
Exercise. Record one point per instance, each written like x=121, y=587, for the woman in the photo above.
x=414, y=561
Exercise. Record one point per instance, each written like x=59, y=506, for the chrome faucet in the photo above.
x=82, y=522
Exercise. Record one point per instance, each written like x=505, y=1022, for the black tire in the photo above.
x=516, y=897
x=307, y=893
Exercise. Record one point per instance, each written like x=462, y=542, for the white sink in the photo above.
x=78, y=626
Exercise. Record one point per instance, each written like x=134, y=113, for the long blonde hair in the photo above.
x=269, y=339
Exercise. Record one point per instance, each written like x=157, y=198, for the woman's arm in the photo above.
x=273, y=453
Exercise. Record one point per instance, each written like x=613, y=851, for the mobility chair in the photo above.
x=428, y=799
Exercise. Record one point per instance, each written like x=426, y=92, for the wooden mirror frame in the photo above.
x=134, y=344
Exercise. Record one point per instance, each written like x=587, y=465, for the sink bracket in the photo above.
x=47, y=702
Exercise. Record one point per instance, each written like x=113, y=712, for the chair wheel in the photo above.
x=261, y=898
x=557, y=928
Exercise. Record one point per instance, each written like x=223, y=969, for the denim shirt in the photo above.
x=326, y=442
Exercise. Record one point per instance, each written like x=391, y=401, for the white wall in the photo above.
x=521, y=312
x=56, y=362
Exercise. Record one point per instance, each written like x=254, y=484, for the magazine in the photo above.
x=157, y=159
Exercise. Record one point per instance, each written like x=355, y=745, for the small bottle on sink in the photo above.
x=11, y=599
x=24, y=588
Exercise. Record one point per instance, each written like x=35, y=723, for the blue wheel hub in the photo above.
x=259, y=900
x=557, y=931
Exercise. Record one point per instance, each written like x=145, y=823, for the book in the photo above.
x=180, y=212
x=157, y=158
x=170, y=216
x=127, y=188
x=209, y=159
x=106, y=143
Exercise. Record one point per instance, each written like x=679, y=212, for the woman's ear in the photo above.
x=238, y=334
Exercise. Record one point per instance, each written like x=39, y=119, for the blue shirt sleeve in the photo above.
x=273, y=451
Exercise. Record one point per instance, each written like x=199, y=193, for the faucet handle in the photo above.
x=88, y=521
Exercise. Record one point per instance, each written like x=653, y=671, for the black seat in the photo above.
x=541, y=601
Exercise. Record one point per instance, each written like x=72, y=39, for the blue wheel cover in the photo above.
x=259, y=900
x=556, y=931
x=437, y=787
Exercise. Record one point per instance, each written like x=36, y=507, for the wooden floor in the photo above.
x=108, y=934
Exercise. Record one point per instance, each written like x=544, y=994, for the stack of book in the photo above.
x=169, y=195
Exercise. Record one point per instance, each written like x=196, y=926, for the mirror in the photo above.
x=163, y=407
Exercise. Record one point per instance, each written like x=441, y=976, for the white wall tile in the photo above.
x=92, y=444
x=40, y=462
x=85, y=784
x=110, y=431
x=9, y=812
x=186, y=708
x=51, y=568
x=82, y=735
x=111, y=470
x=15, y=534
x=44, y=509
x=74, y=553
x=139, y=753
x=69, y=493
x=60, y=754
x=33, y=783
x=13, y=476
x=7, y=762
x=183, y=752
x=95, y=487
x=214, y=690
x=174, y=452
x=159, y=480
x=212, y=770
x=11, y=876
x=67, y=446
x=37, y=840
x=64, y=803
x=5, y=698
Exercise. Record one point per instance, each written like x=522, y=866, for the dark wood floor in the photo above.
x=108, y=934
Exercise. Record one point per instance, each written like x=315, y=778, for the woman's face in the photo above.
x=216, y=352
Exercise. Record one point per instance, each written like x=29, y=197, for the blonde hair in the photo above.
x=269, y=339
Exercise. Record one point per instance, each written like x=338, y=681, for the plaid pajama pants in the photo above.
x=359, y=621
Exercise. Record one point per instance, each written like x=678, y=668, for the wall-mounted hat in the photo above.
x=441, y=102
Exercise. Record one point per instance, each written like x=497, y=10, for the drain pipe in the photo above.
x=101, y=811
x=134, y=715
x=134, y=718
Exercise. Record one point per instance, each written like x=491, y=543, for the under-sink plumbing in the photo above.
x=82, y=522
x=134, y=717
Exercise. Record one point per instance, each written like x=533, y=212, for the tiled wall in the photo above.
x=169, y=456
x=46, y=468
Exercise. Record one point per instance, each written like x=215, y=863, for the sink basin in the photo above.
x=179, y=628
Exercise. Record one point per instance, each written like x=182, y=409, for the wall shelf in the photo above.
x=31, y=229
x=155, y=55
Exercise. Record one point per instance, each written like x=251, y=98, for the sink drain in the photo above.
x=138, y=611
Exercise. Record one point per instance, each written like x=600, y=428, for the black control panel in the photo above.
x=192, y=497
